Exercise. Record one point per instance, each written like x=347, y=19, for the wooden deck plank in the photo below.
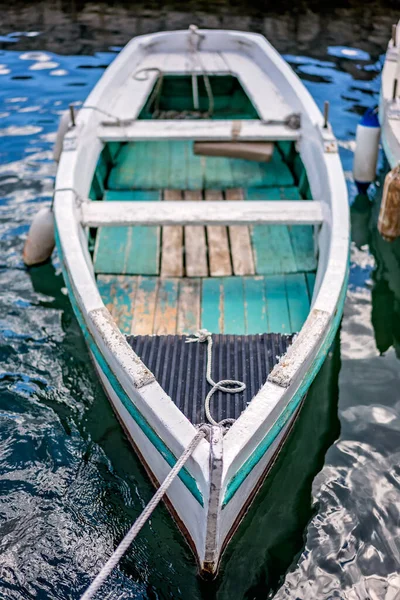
x=234, y=319
x=240, y=239
x=145, y=306
x=189, y=306
x=212, y=305
x=255, y=305
x=142, y=252
x=218, y=173
x=273, y=252
x=127, y=250
x=177, y=165
x=218, y=244
x=196, y=168
x=172, y=243
x=298, y=300
x=106, y=287
x=301, y=236
x=124, y=301
x=109, y=251
x=310, y=278
x=195, y=243
x=277, y=303
x=166, y=311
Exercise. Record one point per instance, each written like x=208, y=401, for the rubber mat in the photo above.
x=180, y=369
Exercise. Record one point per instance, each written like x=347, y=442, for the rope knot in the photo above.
x=200, y=336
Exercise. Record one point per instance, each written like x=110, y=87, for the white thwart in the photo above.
x=284, y=212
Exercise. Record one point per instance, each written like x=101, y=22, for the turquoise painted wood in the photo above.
x=255, y=305
x=302, y=238
x=125, y=293
x=298, y=300
x=277, y=303
x=128, y=250
x=212, y=305
x=138, y=165
x=310, y=277
x=234, y=314
x=167, y=299
x=105, y=289
x=279, y=248
x=195, y=170
x=272, y=245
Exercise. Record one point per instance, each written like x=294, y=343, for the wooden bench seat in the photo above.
x=196, y=251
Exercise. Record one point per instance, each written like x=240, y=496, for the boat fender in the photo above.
x=63, y=126
x=389, y=214
x=40, y=241
x=367, y=149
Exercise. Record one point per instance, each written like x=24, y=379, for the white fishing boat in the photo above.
x=389, y=101
x=200, y=198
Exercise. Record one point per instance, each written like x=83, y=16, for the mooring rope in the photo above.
x=137, y=526
x=205, y=336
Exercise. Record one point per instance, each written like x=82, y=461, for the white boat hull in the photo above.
x=211, y=494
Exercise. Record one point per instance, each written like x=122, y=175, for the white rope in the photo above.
x=205, y=336
x=137, y=526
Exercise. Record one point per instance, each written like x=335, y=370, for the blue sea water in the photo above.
x=325, y=525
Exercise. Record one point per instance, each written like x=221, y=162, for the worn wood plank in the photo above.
x=189, y=306
x=212, y=305
x=118, y=294
x=127, y=250
x=106, y=287
x=124, y=302
x=255, y=305
x=166, y=312
x=301, y=236
x=110, y=248
x=195, y=243
x=172, y=243
x=239, y=236
x=145, y=306
x=142, y=255
x=273, y=252
x=278, y=309
x=298, y=300
x=310, y=278
x=218, y=244
x=234, y=318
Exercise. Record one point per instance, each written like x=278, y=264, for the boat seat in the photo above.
x=195, y=251
x=180, y=368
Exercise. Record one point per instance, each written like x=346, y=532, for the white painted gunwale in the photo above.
x=327, y=184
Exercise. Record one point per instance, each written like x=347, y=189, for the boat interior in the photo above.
x=251, y=286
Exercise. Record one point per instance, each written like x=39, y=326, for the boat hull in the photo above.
x=150, y=458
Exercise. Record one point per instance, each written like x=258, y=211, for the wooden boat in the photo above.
x=200, y=188
x=389, y=103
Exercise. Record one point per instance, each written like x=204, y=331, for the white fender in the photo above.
x=40, y=241
x=367, y=149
